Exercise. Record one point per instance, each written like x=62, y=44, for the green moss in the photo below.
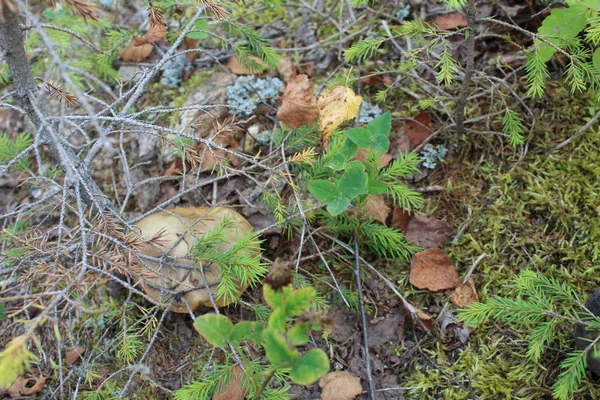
x=541, y=212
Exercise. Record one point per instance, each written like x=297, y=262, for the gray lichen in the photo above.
x=432, y=155
x=368, y=112
x=173, y=71
x=248, y=92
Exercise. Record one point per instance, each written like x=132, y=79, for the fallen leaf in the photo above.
x=286, y=69
x=234, y=390
x=340, y=385
x=425, y=318
x=427, y=232
x=133, y=53
x=432, y=270
x=27, y=386
x=361, y=155
x=190, y=44
x=377, y=208
x=400, y=219
x=74, y=355
x=336, y=106
x=299, y=106
x=307, y=68
x=375, y=78
x=419, y=128
x=451, y=328
x=157, y=33
x=450, y=21
x=237, y=67
x=465, y=294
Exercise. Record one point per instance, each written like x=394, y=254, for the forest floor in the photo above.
x=495, y=209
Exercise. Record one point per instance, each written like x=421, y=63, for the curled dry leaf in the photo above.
x=237, y=67
x=286, y=69
x=427, y=232
x=340, y=385
x=450, y=21
x=377, y=208
x=133, y=53
x=400, y=219
x=74, y=355
x=27, y=386
x=432, y=270
x=465, y=294
x=233, y=390
x=336, y=106
x=425, y=318
x=299, y=106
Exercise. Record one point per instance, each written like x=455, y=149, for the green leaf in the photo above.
x=201, y=25
x=337, y=162
x=310, y=367
x=247, y=330
x=324, y=190
x=377, y=187
x=348, y=150
x=382, y=125
x=338, y=206
x=298, y=334
x=2, y=312
x=381, y=144
x=354, y=181
x=274, y=298
x=360, y=136
x=215, y=328
x=278, y=319
x=596, y=58
x=298, y=301
x=277, y=350
x=562, y=25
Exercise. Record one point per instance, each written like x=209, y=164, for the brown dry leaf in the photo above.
x=336, y=106
x=286, y=69
x=376, y=79
x=190, y=44
x=307, y=68
x=465, y=294
x=377, y=208
x=432, y=270
x=425, y=318
x=234, y=390
x=237, y=67
x=427, y=232
x=361, y=155
x=299, y=106
x=27, y=386
x=133, y=53
x=419, y=129
x=400, y=219
x=74, y=355
x=156, y=34
x=340, y=385
x=450, y=21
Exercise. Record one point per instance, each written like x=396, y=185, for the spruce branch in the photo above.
x=36, y=107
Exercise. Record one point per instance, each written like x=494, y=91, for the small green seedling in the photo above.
x=349, y=179
x=288, y=327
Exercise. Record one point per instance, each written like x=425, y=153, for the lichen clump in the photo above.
x=248, y=92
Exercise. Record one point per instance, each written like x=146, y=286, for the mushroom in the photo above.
x=179, y=274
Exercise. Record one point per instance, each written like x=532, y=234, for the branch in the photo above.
x=27, y=94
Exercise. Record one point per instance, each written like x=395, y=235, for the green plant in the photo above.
x=289, y=325
x=542, y=305
x=353, y=180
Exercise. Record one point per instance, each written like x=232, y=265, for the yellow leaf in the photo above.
x=336, y=106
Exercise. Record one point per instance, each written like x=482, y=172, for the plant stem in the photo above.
x=264, y=384
x=470, y=13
